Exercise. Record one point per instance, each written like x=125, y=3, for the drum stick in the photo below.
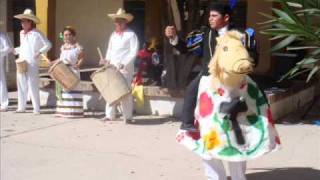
x=99, y=52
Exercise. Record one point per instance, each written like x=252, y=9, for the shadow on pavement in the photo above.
x=153, y=121
x=296, y=173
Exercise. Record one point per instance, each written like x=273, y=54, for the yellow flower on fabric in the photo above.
x=212, y=140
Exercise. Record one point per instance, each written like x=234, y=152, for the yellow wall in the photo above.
x=90, y=19
x=42, y=14
x=253, y=17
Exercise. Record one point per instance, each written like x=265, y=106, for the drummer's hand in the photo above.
x=13, y=51
x=103, y=61
x=120, y=66
x=77, y=66
x=52, y=62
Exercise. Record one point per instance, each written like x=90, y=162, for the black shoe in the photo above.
x=188, y=127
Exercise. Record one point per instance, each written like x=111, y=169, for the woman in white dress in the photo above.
x=70, y=103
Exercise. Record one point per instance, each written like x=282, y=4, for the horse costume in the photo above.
x=223, y=134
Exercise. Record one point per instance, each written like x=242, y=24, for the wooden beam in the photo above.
x=42, y=14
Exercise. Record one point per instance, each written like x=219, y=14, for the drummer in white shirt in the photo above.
x=121, y=52
x=32, y=44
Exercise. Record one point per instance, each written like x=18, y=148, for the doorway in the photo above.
x=137, y=9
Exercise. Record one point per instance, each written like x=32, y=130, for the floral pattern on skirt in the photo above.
x=216, y=137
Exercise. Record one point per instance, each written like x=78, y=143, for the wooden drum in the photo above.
x=22, y=66
x=111, y=84
x=64, y=75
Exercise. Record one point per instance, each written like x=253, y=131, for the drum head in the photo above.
x=102, y=69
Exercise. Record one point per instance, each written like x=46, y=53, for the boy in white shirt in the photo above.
x=32, y=44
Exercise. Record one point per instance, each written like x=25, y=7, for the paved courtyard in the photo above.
x=47, y=148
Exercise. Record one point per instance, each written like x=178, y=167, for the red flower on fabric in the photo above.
x=206, y=105
x=243, y=85
x=195, y=135
x=220, y=91
x=180, y=137
x=269, y=116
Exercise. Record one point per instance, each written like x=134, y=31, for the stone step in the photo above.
x=162, y=101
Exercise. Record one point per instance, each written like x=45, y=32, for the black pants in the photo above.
x=190, y=102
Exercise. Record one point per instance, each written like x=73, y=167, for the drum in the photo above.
x=111, y=84
x=22, y=66
x=64, y=75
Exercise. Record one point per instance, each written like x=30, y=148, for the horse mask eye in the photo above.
x=225, y=48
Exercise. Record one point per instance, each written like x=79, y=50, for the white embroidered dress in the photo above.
x=70, y=104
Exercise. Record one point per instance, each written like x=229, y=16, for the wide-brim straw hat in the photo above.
x=28, y=14
x=121, y=13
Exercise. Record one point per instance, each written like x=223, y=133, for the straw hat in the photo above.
x=121, y=14
x=28, y=14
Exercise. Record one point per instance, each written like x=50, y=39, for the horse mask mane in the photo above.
x=231, y=61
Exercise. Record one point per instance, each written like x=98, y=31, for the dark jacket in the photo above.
x=211, y=42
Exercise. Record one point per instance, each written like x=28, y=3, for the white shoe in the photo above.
x=36, y=113
x=128, y=121
x=106, y=119
x=20, y=111
x=4, y=109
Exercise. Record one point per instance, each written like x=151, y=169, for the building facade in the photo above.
x=94, y=27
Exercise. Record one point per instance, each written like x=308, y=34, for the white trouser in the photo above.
x=126, y=104
x=29, y=82
x=214, y=170
x=4, y=101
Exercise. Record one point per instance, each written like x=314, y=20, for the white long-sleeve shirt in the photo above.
x=123, y=49
x=32, y=43
x=5, y=46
